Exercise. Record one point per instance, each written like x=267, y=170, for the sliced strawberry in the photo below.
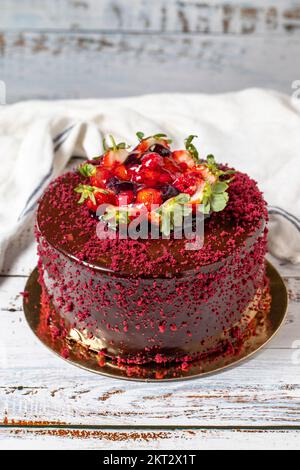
x=183, y=156
x=187, y=183
x=152, y=161
x=112, y=156
x=91, y=205
x=145, y=176
x=100, y=178
x=206, y=174
x=122, y=173
x=197, y=197
x=145, y=144
x=101, y=198
x=150, y=177
x=105, y=198
x=165, y=177
x=149, y=196
x=135, y=172
x=124, y=198
x=172, y=167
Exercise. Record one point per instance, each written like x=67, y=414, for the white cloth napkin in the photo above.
x=255, y=130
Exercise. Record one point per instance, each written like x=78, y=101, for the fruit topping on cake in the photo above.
x=151, y=178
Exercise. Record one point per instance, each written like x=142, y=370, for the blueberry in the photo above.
x=161, y=150
x=132, y=159
x=119, y=186
x=113, y=182
x=168, y=191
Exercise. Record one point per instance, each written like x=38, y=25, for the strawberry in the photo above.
x=122, y=173
x=150, y=177
x=172, y=167
x=152, y=160
x=106, y=197
x=206, y=173
x=112, y=156
x=135, y=172
x=165, y=177
x=100, y=178
x=149, y=196
x=142, y=175
x=124, y=198
x=146, y=143
x=115, y=154
x=183, y=156
x=187, y=183
x=198, y=194
x=91, y=206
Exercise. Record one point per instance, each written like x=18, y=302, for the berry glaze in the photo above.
x=141, y=301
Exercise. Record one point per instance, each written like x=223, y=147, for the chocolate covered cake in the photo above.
x=139, y=300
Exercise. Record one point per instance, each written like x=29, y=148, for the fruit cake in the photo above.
x=139, y=300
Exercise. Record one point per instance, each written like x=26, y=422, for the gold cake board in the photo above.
x=266, y=328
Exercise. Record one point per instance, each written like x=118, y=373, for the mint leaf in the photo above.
x=173, y=211
x=115, y=216
x=190, y=147
x=115, y=146
x=219, y=187
x=215, y=197
x=105, y=148
x=140, y=135
x=160, y=136
x=214, y=169
x=218, y=201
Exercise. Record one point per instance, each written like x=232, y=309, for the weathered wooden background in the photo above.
x=92, y=48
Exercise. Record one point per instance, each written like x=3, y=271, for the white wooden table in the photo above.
x=45, y=402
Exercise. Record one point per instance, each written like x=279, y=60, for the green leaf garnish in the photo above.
x=115, y=216
x=220, y=187
x=140, y=135
x=104, y=145
x=215, y=197
x=219, y=201
x=88, y=191
x=115, y=146
x=173, y=211
x=214, y=169
x=160, y=136
x=190, y=147
x=87, y=169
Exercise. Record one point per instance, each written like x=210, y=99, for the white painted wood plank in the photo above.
x=77, y=65
x=264, y=392
x=205, y=439
x=216, y=16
